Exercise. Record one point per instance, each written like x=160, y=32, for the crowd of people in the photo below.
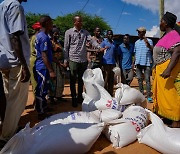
x=49, y=61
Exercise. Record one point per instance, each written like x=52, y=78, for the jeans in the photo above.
x=76, y=72
x=127, y=76
x=146, y=71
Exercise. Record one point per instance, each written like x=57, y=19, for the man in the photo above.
x=76, y=55
x=43, y=67
x=94, y=53
x=108, y=61
x=14, y=63
x=143, y=59
x=125, y=52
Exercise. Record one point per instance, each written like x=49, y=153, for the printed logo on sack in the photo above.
x=73, y=116
x=112, y=104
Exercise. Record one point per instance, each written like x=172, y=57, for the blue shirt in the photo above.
x=125, y=56
x=12, y=20
x=143, y=54
x=109, y=54
x=42, y=44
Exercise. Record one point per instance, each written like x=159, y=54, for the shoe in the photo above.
x=2, y=144
x=150, y=100
x=74, y=102
x=52, y=101
x=61, y=99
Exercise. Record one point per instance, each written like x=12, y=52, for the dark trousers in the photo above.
x=76, y=73
x=2, y=99
x=146, y=70
x=108, y=75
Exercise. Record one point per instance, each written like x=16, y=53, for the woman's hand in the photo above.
x=166, y=73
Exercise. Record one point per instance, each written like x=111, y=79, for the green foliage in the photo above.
x=32, y=18
x=65, y=22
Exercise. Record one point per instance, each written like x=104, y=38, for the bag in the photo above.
x=93, y=77
x=121, y=133
x=105, y=100
x=159, y=136
x=54, y=139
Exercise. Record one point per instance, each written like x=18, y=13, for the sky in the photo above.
x=124, y=16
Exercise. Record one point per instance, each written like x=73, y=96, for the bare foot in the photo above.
x=175, y=124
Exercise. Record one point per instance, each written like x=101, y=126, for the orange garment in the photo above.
x=165, y=95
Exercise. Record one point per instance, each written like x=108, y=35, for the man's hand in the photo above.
x=25, y=74
x=66, y=64
x=52, y=74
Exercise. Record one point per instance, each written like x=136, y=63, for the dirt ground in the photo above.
x=102, y=145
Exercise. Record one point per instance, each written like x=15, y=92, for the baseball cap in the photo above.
x=36, y=25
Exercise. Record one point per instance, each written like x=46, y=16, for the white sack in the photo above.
x=137, y=115
x=88, y=103
x=105, y=101
x=160, y=137
x=54, y=139
x=109, y=115
x=121, y=134
x=92, y=76
x=127, y=95
x=70, y=117
x=132, y=96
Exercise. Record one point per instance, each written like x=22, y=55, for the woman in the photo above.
x=57, y=85
x=166, y=72
x=36, y=27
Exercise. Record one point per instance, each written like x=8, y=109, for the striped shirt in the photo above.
x=75, y=45
x=143, y=54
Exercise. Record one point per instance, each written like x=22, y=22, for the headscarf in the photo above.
x=36, y=26
x=170, y=19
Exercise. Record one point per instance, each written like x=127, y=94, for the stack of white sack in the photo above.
x=104, y=102
x=122, y=132
x=159, y=136
x=90, y=77
x=126, y=96
x=71, y=132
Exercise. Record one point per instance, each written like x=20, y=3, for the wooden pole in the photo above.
x=161, y=12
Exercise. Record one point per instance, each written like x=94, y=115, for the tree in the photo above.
x=90, y=22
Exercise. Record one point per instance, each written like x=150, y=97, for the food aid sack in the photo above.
x=120, y=133
x=92, y=76
x=117, y=74
x=88, y=103
x=126, y=95
x=70, y=117
x=105, y=100
x=108, y=115
x=54, y=139
x=119, y=94
x=159, y=136
x=137, y=115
